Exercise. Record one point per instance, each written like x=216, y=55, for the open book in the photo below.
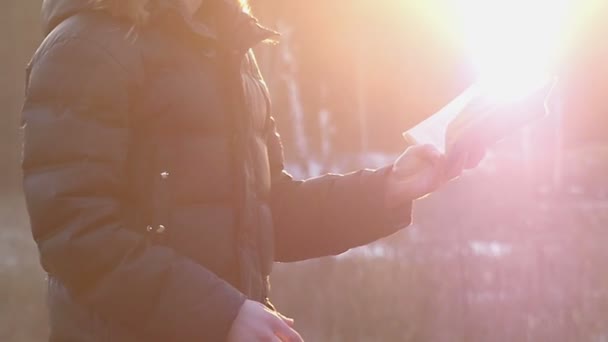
x=475, y=117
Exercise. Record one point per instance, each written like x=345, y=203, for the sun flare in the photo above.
x=516, y=48
x=514, y=45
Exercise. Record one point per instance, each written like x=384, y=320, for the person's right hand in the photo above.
x=256, y=323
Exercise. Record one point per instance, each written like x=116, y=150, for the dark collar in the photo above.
x=229, y=28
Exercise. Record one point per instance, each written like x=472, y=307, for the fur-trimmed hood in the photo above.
x=241, y=28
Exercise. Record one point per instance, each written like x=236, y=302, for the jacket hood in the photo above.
x=240, y=30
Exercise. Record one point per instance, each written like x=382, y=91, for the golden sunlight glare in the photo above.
x=516, y=48
x=514, y=44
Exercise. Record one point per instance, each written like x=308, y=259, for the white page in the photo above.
x=433, y=130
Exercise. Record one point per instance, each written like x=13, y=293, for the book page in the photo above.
x=433, y=130
x=477, y=117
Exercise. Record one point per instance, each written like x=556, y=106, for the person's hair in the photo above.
x=136, y=10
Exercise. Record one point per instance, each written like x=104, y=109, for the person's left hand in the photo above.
x=419, y=171
x=422, y=169
x=463, y=155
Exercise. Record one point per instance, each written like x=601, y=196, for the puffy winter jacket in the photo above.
x=154, y=176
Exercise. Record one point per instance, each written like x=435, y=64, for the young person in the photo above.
x=154, y=176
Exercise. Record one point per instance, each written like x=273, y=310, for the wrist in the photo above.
x=398, y=204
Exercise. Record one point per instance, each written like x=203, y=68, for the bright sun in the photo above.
x=517, y=47
x=514, y=44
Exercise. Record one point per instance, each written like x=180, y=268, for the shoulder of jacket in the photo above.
x=110, y=38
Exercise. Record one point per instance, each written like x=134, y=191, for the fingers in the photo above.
x=415, y=159
x=285, y=332
x=256, y=322
x=456, y=162
x=475, y=157
x=289, y=336
x=428, y=153
x=465, y=154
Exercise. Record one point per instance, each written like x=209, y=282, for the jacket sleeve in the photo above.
x=76, y=117
x=330, y=214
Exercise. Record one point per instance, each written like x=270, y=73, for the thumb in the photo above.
x=430, y=154
x=416, y=158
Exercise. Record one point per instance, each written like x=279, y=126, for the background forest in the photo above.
x=513, y=251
